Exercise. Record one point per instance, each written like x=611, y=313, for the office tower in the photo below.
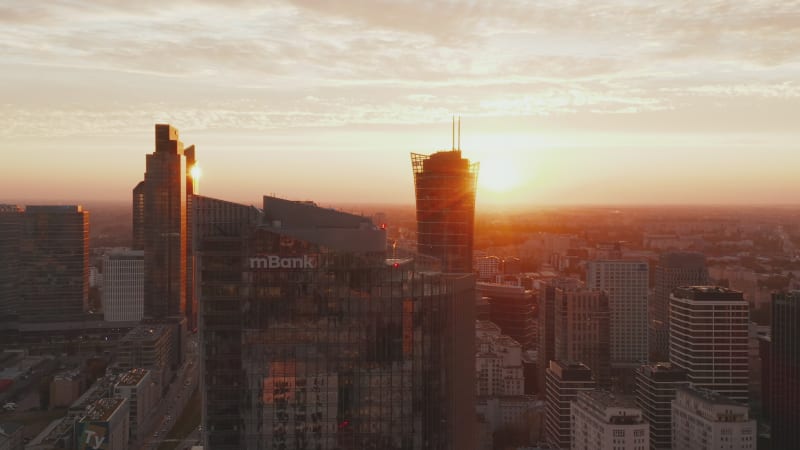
x=54, y=264
x=703, y=419
x=313, y=339
x=708, y=338
x=10, y=233
x=138, y=217
x=512, y=309
x=563, y=382
x=582, y=330
x=160, y=207
x=783, y=406
x=656, y=385
x=626, y=284
x=192, y=189
x=123, y=288
x=137, y=387
x=673, y=270
x=445, y=185
x=546, y=322
x=604, y=421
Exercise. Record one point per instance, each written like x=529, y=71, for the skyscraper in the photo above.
x=708, y=338
x=54, y=264
x=784, y=371
x=160, y=223
x=673, y=270
x=656, y=386
x=123, y=286
x=10, y=226
x=582, y=330
x=313, y=339
x=564, y=381
x=445, y=185
x=626, y=283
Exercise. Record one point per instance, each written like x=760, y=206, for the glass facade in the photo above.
x=309, y=348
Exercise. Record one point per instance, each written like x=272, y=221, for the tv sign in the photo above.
x=285, y=262
x=93, y=436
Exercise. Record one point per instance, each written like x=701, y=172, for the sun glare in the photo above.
x=196, y=172
x=498, y=175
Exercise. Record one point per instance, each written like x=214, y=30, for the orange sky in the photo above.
x=579, y=102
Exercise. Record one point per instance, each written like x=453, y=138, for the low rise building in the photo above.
x=704, y=420
x=604, y=421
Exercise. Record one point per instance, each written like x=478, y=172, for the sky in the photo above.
x=567, y=102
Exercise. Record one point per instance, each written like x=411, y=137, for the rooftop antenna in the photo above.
x=459, y=133
x=453, y=140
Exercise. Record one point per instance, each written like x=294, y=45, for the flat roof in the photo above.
x=103, y=409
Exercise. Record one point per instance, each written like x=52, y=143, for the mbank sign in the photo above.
x=283, y=262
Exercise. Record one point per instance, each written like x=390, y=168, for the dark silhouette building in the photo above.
x=10, y=234
x=161, y=226
x=511, y=308
x=54, y=264
x=673, y=270
x=563, y=381
x=656, y=386
x=445, y=185
x=312, y=338
x=783, y=405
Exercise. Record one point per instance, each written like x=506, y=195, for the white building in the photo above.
x=603, y=421
x=123, y=286
x=626, y=283
x=705, y=420
x=499, y=380
x=708, y=338
x=141, y=390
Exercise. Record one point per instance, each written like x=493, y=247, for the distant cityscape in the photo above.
x=182, y=321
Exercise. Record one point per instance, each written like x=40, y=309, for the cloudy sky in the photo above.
x=567, y=102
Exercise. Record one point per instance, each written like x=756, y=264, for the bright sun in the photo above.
x=498, y=175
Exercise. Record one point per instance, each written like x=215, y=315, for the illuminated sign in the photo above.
x=285, y=262
x=93, y=435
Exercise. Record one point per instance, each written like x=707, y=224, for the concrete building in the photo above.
x=603, y=421
x=783, y=371
x=10, y=232
x=104, y=426
x=512, y=309
x=141, y=391
x=582, y=330
x=311, y=338
x=488, y=268
x=705, y=420
x=709, y=338
x=148, y=346
x=67, y=387
x=656, y=386
x=123, y=292
x=563, y=383
x=626, y=283
x=673, y=270
x=445, y=186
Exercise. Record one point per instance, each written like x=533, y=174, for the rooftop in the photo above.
x=710, y=293
x=146, y=332
x=103, y=409
x=132, y=377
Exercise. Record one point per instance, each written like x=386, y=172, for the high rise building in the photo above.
x=161, y=226
x=512, y=309
x=656, y=386
x=604, y=421
x=709, y=338
x=582, y=330
x=445, y=185
x=10, y=234
x=626, y=283
x=123, y=288
x=673, y=270
x=703, y=419
x=784, y=371
x=546, y=322
x=54, y=264
x=192, y=189
x=311, y=338
x=563, y=382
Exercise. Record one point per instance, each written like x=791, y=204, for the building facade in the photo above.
x=563, y=382
x=783, y=372
x=313, y=339
x=656, y=387
x=603, y=421
x=626, y=283
x=54, y=264
x=582, y=330
x=673, y=270
x=445, y=186
x=705, y=420
x=512, y=309
x=10, y=233
x=709, y=338
x=123, y=289
x=141, y=392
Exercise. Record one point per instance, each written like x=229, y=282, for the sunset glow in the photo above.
x=498, y=175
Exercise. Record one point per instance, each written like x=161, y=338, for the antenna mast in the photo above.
x=453, y=139
x=459, y=133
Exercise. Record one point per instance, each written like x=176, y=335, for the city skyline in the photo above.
x=586, y=103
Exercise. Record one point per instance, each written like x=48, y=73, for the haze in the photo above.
x=586, y=102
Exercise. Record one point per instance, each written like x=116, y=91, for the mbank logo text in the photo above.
x=283, y=262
